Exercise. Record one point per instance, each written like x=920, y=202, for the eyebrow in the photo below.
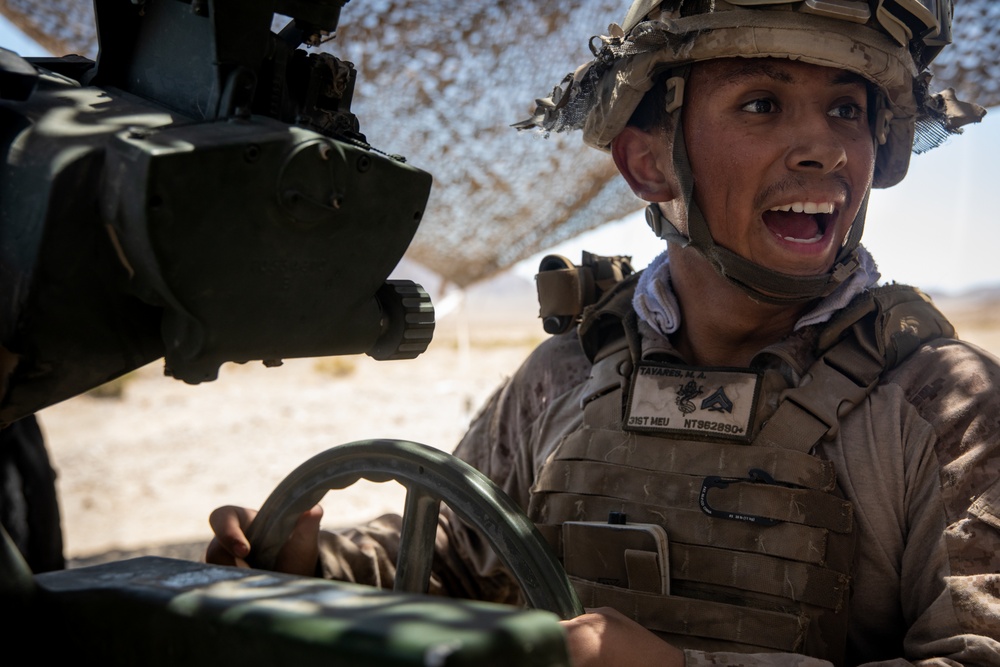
x=847, y=78
x=753, y=67
x=763, y=67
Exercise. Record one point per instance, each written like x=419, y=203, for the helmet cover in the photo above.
x=860, y=36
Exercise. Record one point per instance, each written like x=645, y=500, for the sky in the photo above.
x=14, y=40
x=936, y=229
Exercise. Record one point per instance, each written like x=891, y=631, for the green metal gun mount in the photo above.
x=201, y=192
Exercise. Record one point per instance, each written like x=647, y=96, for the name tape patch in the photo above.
x=685, y=400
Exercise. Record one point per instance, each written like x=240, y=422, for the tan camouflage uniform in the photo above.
x=920, y=459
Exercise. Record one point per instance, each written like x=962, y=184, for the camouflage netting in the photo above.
x=441, y=81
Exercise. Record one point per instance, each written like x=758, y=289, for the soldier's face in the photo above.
x=782, y=156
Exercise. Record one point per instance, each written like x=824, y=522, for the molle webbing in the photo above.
x=757, y=572
x=692, y=526
x=676, y=455
x=810, y=507
x=735, y=627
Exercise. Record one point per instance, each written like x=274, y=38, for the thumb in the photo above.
x=301, y=551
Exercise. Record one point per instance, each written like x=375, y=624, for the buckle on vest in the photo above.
x=756, y=476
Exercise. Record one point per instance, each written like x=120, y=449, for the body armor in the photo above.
x=720, y=540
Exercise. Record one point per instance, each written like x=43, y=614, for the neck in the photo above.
x=720, y=324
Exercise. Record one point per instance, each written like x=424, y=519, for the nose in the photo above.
x=815, y=145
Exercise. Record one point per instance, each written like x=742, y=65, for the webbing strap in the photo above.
x=770, y=501
x=770, y=630
x=762, y=574
x=708, y=458
x=604, y=411
x=882, y=328
x=837, y=383
x=611, y=322
x=608, y=374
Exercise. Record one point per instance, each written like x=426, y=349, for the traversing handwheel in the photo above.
x=430, y=476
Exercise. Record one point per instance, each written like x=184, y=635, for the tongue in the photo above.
x=792, y=225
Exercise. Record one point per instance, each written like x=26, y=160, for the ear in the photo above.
x=641, y=157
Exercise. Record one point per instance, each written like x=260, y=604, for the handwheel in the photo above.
x=430, y=477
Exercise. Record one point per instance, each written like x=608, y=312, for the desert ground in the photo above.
x=141, y=464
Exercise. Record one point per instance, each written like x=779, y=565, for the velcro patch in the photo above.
x=691, y=401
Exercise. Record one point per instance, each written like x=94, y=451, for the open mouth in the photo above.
x=800, y=222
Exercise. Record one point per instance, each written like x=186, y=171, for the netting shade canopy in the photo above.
x=440, y=82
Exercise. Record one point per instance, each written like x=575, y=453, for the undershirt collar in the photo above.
x=655, y=303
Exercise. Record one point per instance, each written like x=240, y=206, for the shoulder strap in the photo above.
x=611, y=318
x=609, y=336
x=873, y=334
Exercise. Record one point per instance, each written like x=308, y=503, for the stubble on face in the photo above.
x=782, y=153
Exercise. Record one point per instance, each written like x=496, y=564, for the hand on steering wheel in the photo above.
x=430, y=477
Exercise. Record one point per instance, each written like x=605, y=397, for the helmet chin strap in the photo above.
x=759, y=282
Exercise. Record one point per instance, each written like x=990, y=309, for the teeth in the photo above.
x=808, y=207
x=814, y=239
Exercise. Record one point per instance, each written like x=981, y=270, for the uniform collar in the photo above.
x=656, y=305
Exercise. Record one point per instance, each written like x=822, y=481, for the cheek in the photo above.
x=712, y=161
x=862, y=159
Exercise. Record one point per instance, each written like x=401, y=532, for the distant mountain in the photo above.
x=980, y=298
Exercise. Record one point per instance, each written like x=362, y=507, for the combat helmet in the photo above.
x=890, y=43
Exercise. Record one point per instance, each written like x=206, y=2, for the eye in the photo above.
x=848, y=111
x=762, y=105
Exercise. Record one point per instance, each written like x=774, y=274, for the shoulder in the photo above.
x=954, y=387
x=555, y=367
x=499, y=441
x=948, y=380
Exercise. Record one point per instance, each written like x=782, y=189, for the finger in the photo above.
x=216, y=554
x=229, y=523
x=301, y=552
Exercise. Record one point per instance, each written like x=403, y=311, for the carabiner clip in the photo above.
x=756, y=476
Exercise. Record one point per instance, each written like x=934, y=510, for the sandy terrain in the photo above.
x=141, y=472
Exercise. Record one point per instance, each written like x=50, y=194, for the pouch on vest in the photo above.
x=565, y=290
x=628, y=555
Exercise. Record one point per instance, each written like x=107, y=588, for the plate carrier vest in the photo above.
x=760, y=540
